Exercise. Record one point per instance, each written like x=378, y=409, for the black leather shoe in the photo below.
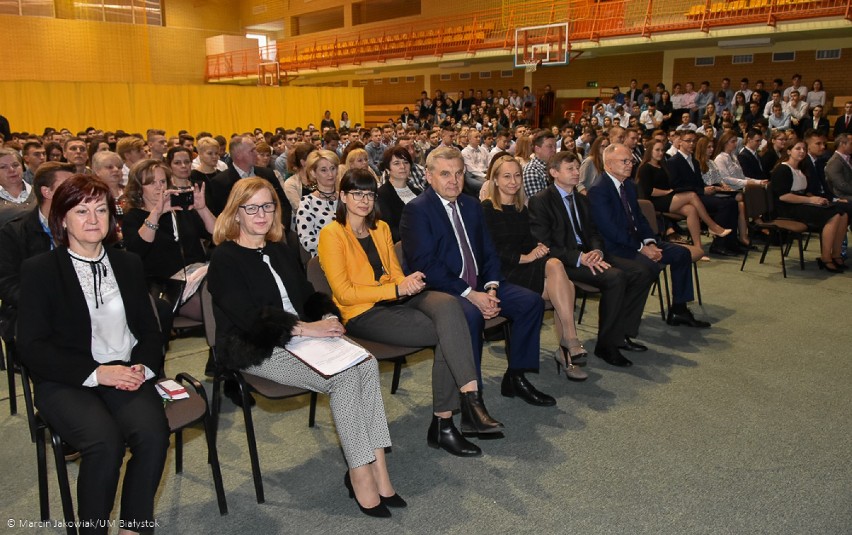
x=685, y=318
x=613, y=356
x=443, y=434
x=515, y=384
x=475, y=419
x=723, y=251
x=379, y=511
x=631, y=345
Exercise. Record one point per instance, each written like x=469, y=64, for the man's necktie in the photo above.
x=469, y=269
x=572, y=214
x=631, y=222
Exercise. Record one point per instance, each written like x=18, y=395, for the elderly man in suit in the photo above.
x=561, y=219
x=243, y=159
x=628, y=237
x=838, y=169
x=685, y=174
x=444, y=237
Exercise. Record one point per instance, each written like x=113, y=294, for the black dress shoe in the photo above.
x=613, y=356
x=232, y=390
x=475, y=419
x=515, y=384
x=379, y=511
x=723, y=251
x=443, y=434
x=631, y=345
x=685, y=318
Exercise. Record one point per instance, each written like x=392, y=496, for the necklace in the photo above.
x=363, y=232
x=329, y=196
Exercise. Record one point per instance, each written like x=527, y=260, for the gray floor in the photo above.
x=742, y=428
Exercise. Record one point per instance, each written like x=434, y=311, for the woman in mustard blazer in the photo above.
x=380, y=303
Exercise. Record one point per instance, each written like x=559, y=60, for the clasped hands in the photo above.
x=653, y=252
x=541, y=250
x=594, y=261
x=128, y=378
x=486, y=302
x=413, y=284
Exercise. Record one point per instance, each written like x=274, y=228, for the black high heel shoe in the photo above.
x=840, y=263
x=390, y=501
x=379, y=511
x=829, y=266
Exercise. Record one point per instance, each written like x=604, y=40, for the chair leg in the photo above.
x=179, y=451
x=312, y=411
x=783, y=262
x=10, y=374
x=64, y=485
x=582, y=309
x=215, y=406
x=698, y=282
x=801, y=255
x=745, y=257
x=213, y=460
x=252, y=443
x=2, y=356
x=660, y=295
x=397, y=370
x=41, y=465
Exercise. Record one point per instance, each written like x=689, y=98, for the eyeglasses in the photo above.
x=625, y=161
x=252, y=209
x=361, y=195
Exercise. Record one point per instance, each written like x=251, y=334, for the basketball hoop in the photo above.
x=531, y=64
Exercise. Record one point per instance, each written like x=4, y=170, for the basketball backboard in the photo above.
x=541, y=45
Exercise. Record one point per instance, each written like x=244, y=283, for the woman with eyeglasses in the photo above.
x=261, y=300
x=378, y=302
x=317, y=209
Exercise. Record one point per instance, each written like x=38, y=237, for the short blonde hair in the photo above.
x=228, y=229
x=354, y=154
x=128, y=144
x=314, y=158
x=491, y=191
x=207, y=143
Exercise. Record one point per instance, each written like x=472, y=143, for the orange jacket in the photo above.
x=348, y=270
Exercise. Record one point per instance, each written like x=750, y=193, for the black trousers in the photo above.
x=724, y=211
x=102, y=422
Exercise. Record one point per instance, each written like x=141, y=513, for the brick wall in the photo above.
x=607, y=71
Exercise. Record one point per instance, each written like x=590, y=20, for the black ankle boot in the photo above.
x=443, y=434
x=475, y=419
x=515, y=384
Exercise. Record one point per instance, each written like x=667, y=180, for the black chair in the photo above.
x=7, y=357
x=381, y=351
x=758, y=213
x=247, y=384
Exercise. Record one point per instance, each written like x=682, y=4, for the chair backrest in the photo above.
x=207, y=315
x=316, y=276
x=650, y=214
x=756, y=203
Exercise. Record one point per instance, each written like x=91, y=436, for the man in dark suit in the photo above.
x=749, y=159
x=838, y=169
x=444, y=236
x=243, y=159
x=843, y=124
x=685, y=174
x=814, y=164
x=816, y=122
x=561, y=219
x=629, y=239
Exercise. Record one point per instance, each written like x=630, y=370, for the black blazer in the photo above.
x=682, y=177
x=220, y=186
x=752, y=167
x=250, y=319
x=550, y=224
x=54, y=328
x=390, y=206
x=840, y=126
x=821, y=125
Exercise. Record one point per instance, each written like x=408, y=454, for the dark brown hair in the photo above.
x=357, y=180
x=76, y=190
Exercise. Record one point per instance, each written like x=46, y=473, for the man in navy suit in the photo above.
x=843, y=124
x=749, y=159
x=444, y=236
x=685, y=175
x=628, y=238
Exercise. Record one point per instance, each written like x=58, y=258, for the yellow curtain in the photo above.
x=220, y=109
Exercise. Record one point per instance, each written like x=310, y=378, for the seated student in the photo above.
x=838, y=169
x=527, y=262
x=562, y=221
x=317, y=209
x=379, y=303
x=444, y=237
x=398, y=188
x=628, y=237
x=14, y=191
x=88, y=334
x=788, y=184
x=299, y=183
x=261, y=300
x=779, y=119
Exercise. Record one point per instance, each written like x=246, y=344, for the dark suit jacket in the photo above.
x=54, y=327
x=20, y=239
x=391, y=206
x=815, y=171
x=752, y=168
x=430, y=244
x=220, y=186
x=840, y=126
x=682, y=177
x=838, y=174
x=820, y=126
x=611, y=219
x=550, y=224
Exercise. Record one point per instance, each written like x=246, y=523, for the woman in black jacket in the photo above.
x=261, y=301
x=397, y=189
x=88, y=334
